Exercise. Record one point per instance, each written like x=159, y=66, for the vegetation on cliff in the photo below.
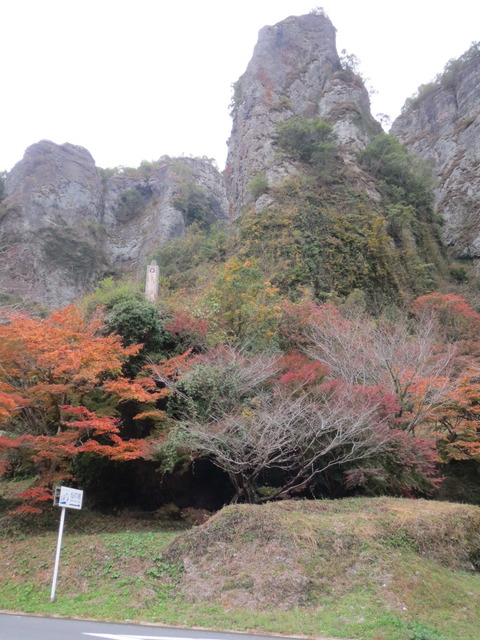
x=243, y=365
x=321, y=232
x=447, y=79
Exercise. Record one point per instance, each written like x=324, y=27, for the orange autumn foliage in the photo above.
x=166, y=371
x=63, y=347
x=458, y=419
x=141, y=390
x=48, y=369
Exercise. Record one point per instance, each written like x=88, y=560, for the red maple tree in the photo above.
x=50, y=370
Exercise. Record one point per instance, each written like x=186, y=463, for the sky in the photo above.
x=134, y=80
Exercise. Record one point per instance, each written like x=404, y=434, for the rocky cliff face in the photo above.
x=52, y=213
x=295, y=71
x=64, y=223
x=443, y=125
x=142, y=209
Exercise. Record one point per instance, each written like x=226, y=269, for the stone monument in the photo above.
x=151, y=282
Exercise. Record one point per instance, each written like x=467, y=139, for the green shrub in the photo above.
x=306, y=240
x=405, y=183
x=403, y=178
x=138, y=322
x=236, y=96
x=181, y=259
x=310, y=141
x=258, y=185
x=350, y=63
x=448, y=79
x=108, y=293
x=193, y=203
x=458, y=273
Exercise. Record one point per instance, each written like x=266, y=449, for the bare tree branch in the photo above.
x=299, y=436
x=399, y=355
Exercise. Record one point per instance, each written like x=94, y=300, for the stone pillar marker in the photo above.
x=151, y=282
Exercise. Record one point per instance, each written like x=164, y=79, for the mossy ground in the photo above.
x=372, y=569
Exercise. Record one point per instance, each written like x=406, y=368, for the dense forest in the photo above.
x=240, y=394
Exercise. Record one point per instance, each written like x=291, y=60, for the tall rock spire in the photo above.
x=295, y=71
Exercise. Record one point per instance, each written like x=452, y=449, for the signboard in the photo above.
x=68, y=497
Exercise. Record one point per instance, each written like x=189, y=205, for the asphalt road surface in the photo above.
x=14, y=627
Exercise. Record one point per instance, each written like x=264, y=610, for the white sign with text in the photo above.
x=70, y=498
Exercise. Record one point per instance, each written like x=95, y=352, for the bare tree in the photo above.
x=405, y=357
x=298, y=436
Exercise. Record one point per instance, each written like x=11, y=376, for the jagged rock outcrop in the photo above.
x=141, y=210
x=51, y=217
x=295, y=71
x=64, y=223
x=443, y=125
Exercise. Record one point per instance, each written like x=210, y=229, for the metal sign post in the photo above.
x=66, y=498
x=57, y=555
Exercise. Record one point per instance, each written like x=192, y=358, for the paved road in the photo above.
x=14, y=627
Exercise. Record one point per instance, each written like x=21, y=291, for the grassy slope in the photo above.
x=378, y=569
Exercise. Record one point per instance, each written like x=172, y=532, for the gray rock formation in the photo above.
x=140, y=209
x=64, y=223
x=295, y=71
x=443, y=125
x=49, y=229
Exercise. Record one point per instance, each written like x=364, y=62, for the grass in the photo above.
x=378, y=569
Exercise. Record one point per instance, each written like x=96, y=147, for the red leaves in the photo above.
x=455, y=316
x=120, y=450
x=26, y=508
x=408, y=466
x=458, y=420
x=10, y=401
x=60, y=348
x=297, y=319
x=154, y=414
x=39, y=494
x=31, y=497
x=82, y=431
x=48, y=366
x=300, y=372
x=171, y=369
x=186, y=327
x=87, y=422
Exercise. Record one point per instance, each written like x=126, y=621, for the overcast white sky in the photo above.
x=132, y=80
